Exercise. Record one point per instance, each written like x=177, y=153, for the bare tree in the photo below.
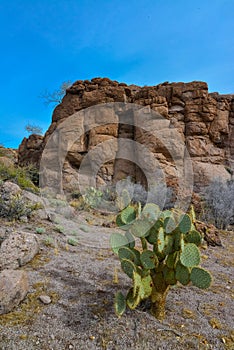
x=56, y=96
x=33, y=129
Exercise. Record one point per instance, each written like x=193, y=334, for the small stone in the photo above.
x=45, y=299
x=24, y=219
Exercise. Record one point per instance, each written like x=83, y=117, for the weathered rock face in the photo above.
x=204, y=121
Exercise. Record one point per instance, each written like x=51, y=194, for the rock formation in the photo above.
x=204, y=121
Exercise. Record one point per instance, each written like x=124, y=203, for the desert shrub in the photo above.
x=218, y=204
x=32, y=173
x=14, y=208
x=57, y=203
x=72, y=241
x=157, y=193
x=17, y=175
x=118, y=196
x=59, y=228
x=93, y=197
x=40, y=230
x=49, y=242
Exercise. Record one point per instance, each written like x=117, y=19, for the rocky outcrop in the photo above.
x=204, y=121
x=30, y=150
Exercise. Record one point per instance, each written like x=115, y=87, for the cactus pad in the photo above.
x=127, y=253
x=124, y=199
x=119, y=304
x=160, y=242
x=149, y=259
x=130, y=238
x=169, y=244
x=137, y=255
x=117, y=241
x=200, y=278
x=182, y=243
x=177, y=240
x=132, y=301
x=151, y=212
x=185, y=223
x=192, y=214
x=128, y=215
x=152, y=237
x=190, y=256
x=182, y=274
x=147, y=285
x=140, y=228
x=118, y=221
x=137, y=285
x=128, y=267
x=165, y=214
x=193, y=237
x=169, y=225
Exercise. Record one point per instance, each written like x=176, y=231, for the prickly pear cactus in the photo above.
x=123, y=200
x=157, y=250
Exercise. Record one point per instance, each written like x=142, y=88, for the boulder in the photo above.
x=18, y=249
x=9, y=189
x=13, y=289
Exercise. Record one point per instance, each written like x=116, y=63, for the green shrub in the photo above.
x=169, y=254
x=72, y=241
x=33, y=174
x=18, y=175
x=14, y=208
x=49, y=242
x=40, y=230
x=59, y=228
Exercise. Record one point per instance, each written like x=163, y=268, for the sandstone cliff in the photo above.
x=204, y=121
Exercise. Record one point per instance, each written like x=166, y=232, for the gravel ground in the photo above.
x=82, y=281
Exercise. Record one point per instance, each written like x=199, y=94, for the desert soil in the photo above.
x=82, y=281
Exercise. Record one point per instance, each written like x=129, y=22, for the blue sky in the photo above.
x=144, y=42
